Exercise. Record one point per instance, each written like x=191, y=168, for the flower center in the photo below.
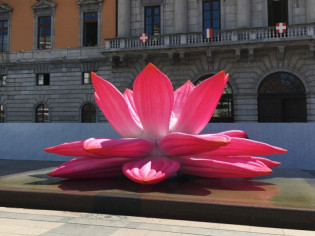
x=156, y=151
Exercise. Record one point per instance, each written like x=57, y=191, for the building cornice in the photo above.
x=82, y=2
x=5, y=8
x=42, y=4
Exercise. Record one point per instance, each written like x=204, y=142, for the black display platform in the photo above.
x=284, y=199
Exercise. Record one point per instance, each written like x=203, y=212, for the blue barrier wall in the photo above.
x=26, y=141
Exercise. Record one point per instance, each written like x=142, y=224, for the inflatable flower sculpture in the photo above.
x=160, y=135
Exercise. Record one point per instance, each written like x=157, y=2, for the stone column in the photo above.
x=310, y=11
x=123, y=18
x=243, y=13
x=180, y=16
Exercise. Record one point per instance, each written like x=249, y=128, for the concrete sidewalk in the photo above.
x=18, y=222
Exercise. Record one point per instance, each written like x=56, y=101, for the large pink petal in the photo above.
x=128, y=95
x=232, y=159
x=150, y=170
x=74, y=148
x=231, y=167
x=180, y=144
x=201, y=104
x=130, y=148
x=180, y=96
x=234, y=133
x=153, y=96
x=82, y=168
x=115, y=108
x=241, y=146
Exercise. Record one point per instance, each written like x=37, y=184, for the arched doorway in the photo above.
x=281, y=98
x=224, y=111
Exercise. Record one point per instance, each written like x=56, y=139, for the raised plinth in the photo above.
x=283, y=199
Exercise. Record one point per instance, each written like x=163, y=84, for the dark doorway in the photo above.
x=281, y=98
x=90, y=29
x=277, y=11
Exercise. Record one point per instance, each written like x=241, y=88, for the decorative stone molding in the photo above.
x=3, y=70
x=312, y=52
x=82, y=2
x=42, y=69
x=89, y=66
x=44, y=5
x=251, y=56
x=237, y=55
x=151, y=2
x=210, y=56
x=5, y=8
x=280, y=54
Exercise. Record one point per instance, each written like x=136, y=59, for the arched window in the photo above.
x=2, y=116
x=42, y=114
x=88, y=113
x=281, y=98
x=225, y=109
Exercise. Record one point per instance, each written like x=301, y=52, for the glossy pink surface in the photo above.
x=160, y=130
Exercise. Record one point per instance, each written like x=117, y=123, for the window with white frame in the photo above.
x=43, y=79
x=2, y=115
x=3, y=80
x=44, y=32
x=44, y=19
x=90, y=22
x=5, y=22
x=152, y=20
x=86, y=78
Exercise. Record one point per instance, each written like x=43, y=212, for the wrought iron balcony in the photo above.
x=220, y=38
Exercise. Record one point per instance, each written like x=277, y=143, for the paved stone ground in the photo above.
x=18, y=222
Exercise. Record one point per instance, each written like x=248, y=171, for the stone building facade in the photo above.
x=272, y=75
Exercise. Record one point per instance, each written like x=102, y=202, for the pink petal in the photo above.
x=130, y=148
x=128, y=95
x=81, y=168
x=218, y=167
x=71, y=149
x=201, y=104
x=153, y=97
x=268, y=162
x=115, y=108
x=180, y=144
x=180, y=96
x=150, y=170
x=240, y=146
x=234, y=159
x=234, y=133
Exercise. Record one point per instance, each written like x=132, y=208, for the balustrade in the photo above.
x=219, y=37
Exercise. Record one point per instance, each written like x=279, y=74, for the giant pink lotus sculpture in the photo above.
x=160, y=129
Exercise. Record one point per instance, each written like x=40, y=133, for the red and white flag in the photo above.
x=208, y=33
x=281, y=27
x=144, y=38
